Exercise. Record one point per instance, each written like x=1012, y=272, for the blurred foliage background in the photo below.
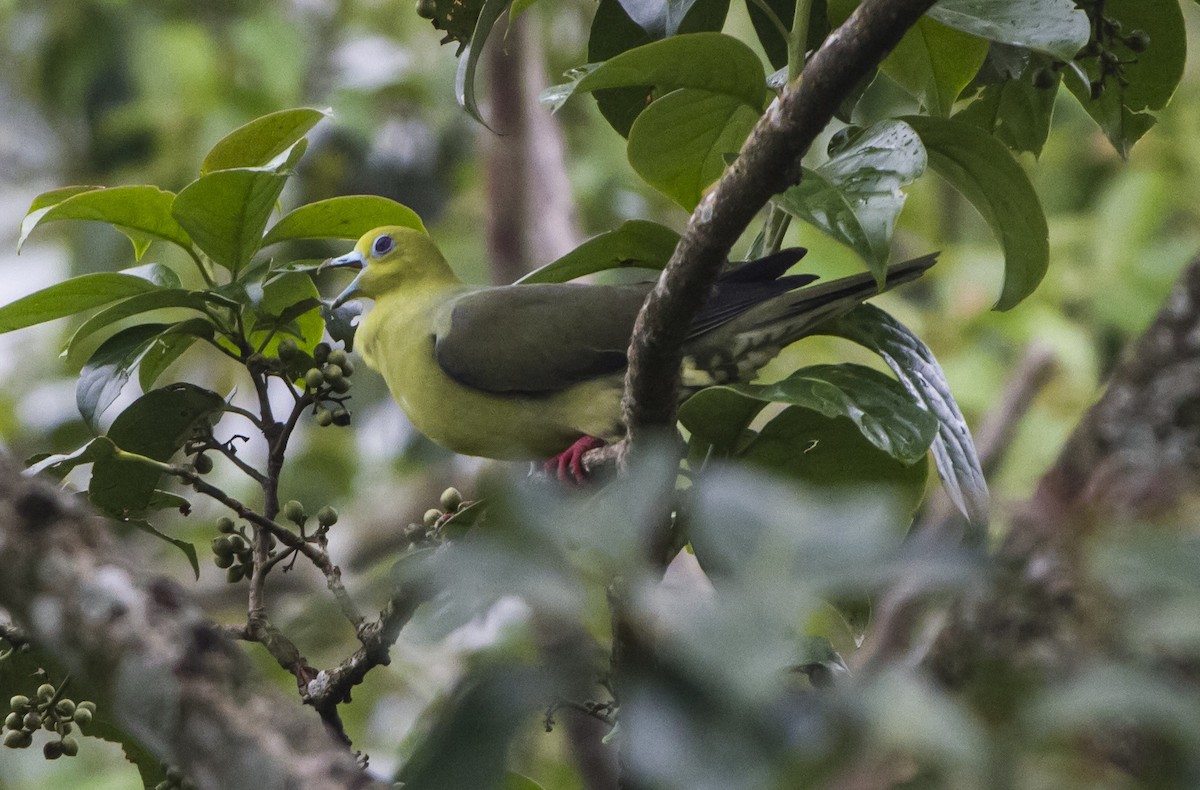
x=135, y=91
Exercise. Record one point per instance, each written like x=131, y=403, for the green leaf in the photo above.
x=72, y=296
x=1126, y=112
x=982, y=169
x=187, y=548
x=468, y=61
x=719, y=418
x=804, y=445
x=167, y=348
x=347, y=217
x=855, y=197
x=934, y=63
x=1053, y=27
x=613, y=31
x=679, y=143
x=637, y=243
x=226, y=211
x=140, y=212
x=60, y=464
x=1016, y=111
x=258, y=142
x=105, y=374
x=156, y=273
x=914, y=364
x=711, y=62
x=878, y=405
x=152, y=300
x=289, y=306
x=155, y=425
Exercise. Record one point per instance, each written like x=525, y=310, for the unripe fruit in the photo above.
x=18, y=739
x=341, y=416
x=12, y=721
x=288, y=348
x=431, y=516
x=293, y=511
x=174, y=774
x=65, y=707
x=1138, y=41
x=223, y=561
x=32, y=720
x=451, y=499
x=234, y=574
x=82, y=717
x=237, y=544
x=203, y=464
x=45, y=692
x=324, y=417
x=222, y=546
x=53, y=750
x=63, y=727
x=426, y=9
x=321, y=352
x=327, y=516
x=341, y=386
x=225, y=525
x=337, y=357
x=19, y=703
x=314, y=378
x=347, y=368
x=70, y=746
x=88, y=705
x=332, y=373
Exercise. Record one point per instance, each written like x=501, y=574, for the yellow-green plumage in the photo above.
x=521, y=372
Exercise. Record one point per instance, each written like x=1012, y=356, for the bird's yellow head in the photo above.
x=391, y=258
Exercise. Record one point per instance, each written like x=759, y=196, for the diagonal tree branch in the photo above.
x=172, y=679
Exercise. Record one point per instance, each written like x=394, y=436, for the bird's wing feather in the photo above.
x=536, y=339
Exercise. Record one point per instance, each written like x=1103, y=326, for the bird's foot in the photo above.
x=567, y=466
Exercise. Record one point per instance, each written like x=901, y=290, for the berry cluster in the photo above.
x=1106, y=55
x=51, y=711
x=329, y=382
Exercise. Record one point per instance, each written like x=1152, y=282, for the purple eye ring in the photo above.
x=382, y=245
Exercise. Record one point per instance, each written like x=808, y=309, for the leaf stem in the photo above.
x=208, y=278
x=798, y=40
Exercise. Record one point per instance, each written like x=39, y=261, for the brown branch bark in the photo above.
x=172, y=679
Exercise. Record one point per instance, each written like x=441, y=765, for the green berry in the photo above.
x=451, y=500
x=223, y=561
x=321, y=352
x=341, y=416
x=333, y=373
x=19, y=703
x=234, y=574
x=314, y=378
x=203, y=464
x=45, y=692
x=70, y=746
x=327, y=516
x=1138, y=41
x=288, y=348
x=13, y=721
x=53, y=750
x=347, y=368
x=431, y=516
x=341, y=386
x=32, y=721
x=337, y=357
x=237, y=544
x=82, y=717
x=426, y=9
x=293, y=511
x=225, y=525
x=88, y=705
x=65, y=707
x=324, y=417
x=222, y=546
x=18, y=739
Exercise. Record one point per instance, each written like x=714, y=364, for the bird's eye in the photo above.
x=382, y=245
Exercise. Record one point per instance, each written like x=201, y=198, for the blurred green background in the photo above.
x=135, y=91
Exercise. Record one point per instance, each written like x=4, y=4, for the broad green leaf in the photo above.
x=155, y=425
x=258, y=142
x=60, y=464
x=165, y=349
x=774, y=42
x=915, y=366
x=805, y=445
x=710, y=62
x=1053, y=27
x=140, y=212
x=226, y=211
x=142, y=303
x=878, y=405
x=637, y=243
x=679, y=143
x=613, y=31
x=1016, y=111
x=186, y=547
x=718, y=418
x=934, y=63
x=856, y=196
x=981, y=168
x=108, y=370
x=468, y=60
x=288, y=307
x=72, y=296
x=156, y=273
x=1126, y=112
x=348, y=217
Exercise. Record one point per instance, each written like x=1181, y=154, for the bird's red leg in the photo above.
x=567, y=466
